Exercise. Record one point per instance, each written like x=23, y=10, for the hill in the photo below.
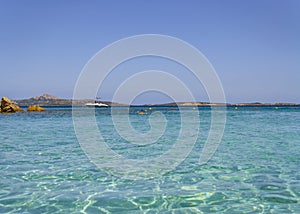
x=50, y=100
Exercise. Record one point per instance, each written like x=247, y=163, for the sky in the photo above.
x=253, y=45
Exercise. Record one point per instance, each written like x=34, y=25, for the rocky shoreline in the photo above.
x=7, y=106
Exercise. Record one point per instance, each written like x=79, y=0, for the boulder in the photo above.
x=7, y=106
x=35, y=108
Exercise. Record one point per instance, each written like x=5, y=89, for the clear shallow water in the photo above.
x=255, y=169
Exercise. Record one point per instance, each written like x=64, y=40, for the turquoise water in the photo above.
x=255, y=169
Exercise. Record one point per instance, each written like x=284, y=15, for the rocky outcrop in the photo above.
x=35, y=108
x=7, y=106
x=46, y=97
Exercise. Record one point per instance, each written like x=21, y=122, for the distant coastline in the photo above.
x=46, y=100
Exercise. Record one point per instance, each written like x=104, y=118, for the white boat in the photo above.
x=96, y=105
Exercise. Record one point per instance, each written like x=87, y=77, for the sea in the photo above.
x=255, y=169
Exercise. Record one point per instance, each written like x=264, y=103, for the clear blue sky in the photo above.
x=254, y=45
